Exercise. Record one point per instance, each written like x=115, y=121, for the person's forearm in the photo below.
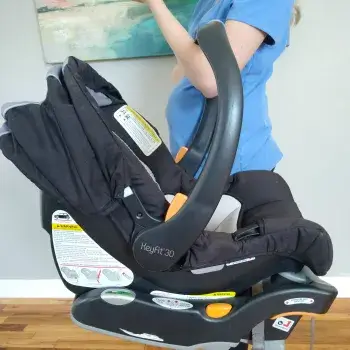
x=178, y=73
x=189, y=55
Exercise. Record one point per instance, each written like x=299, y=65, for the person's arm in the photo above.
x=177, y=73
x=244, y=39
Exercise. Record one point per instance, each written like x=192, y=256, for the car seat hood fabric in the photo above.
x=88, y=89
x=84, y=164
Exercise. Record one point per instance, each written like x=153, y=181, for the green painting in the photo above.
x=104, y=29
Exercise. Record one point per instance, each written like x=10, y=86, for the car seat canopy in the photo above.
x=140, y=136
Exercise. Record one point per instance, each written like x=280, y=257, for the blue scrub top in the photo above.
x=257, y=149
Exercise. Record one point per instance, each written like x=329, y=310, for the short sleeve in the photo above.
x=273, y=17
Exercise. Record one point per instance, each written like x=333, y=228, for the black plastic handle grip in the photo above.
x=199, y=145
x=160, y=247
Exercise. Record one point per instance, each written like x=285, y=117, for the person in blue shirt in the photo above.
x=258, y=31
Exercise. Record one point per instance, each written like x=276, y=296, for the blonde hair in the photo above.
x=296, y=14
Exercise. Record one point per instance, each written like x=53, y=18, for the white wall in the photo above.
x=309, y=105
x=310, y=108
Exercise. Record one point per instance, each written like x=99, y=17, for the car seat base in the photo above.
x=269, y=314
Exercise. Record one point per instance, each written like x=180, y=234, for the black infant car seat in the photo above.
x=152, y=253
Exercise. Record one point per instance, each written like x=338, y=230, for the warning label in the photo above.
x=81, y=260
x=283, y=324
x=138, y=129
x=66, y=227
x=205, y=297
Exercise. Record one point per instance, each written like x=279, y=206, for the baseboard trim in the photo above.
x=55, y=289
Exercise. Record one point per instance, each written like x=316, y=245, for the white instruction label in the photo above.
x=202, y=297
x=81, y=260
x=173, y=304
x=138, y=129
x=283, y=324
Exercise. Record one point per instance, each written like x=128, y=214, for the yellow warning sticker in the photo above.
x=206, y=297
x=146, y=125
x=219, y=294
x=66, y=227
x=138, y=129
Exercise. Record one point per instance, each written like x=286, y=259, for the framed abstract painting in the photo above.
x=103, y=29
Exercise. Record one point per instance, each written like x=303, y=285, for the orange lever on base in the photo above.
x=218, y=310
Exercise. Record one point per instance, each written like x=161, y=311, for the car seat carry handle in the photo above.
x=195, y=153
x=161, y=247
